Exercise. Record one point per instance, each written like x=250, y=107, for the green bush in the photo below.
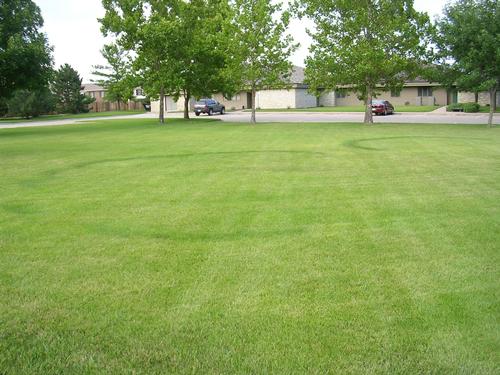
x=471, y=107
x=455, y=107
x=464, y=107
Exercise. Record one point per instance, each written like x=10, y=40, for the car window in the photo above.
x=202, y=102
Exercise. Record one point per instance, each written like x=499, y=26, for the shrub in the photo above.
x=463, y=107
x=454, y=107
x=407, y=103
x=471, y=107
x=25, y=103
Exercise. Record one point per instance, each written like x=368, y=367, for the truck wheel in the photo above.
x=197, y=114
x=210, y=112
x=222, y=111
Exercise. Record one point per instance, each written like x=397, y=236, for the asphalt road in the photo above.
x=399, y=118
x=405, y=118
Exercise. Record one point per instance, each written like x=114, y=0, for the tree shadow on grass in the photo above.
x=357, y=143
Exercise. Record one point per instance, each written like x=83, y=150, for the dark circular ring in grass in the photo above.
x=54, y=172
x=357, y=143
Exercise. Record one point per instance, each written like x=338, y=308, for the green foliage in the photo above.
x=148, y=28
x=469, y=36
x=364, y=44
x=27, y=104
x=117, y=77
x=261, y=48
x=464, y=107
x=25, y=56
x=203, y=248
x=201, y=55
x=67, y=88
x=179, y=45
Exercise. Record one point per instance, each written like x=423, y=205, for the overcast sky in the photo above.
x=73, y=31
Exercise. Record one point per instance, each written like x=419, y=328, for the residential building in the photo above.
x=417, y=92
x=102, y=105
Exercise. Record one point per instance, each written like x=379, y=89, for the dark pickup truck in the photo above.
x=209, y=107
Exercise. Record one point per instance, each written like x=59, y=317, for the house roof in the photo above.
x=298, y=78
x=89, y=87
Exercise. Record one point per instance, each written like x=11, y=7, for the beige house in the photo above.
x=296, y=96
x=418, y=92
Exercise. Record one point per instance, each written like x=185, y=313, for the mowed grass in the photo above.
x=210, y=248
x=66, y=116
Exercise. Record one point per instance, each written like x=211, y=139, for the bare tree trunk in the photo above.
x=368, y=107
x=118, y=102
x=187, y=97
x=253, y=119
x=162, y=105
x=476, y=97
x=493, y=96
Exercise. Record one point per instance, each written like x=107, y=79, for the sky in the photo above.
x=74, y=31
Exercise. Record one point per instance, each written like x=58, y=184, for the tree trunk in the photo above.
x=187, y=97
x=162, y=105
x=253, y=119
x=368, y=107
x=493, y=96
x=476, y=97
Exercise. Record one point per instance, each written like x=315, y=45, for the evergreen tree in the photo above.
x=67, y=88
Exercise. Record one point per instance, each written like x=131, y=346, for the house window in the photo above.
x=340, y=94
x=425, y=91
x=139, y=92
x=395, y=93
x=101, y=94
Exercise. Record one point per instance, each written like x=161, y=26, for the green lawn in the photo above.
x=356, y=108
x=486, y=109
x=210, y=248
x=70, y=116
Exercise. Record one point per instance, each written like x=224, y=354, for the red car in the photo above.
x=382, y=107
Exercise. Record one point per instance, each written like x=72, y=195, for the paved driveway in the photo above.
x=415, y=118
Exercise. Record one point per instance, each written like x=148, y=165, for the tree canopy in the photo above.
x=25, y=56
x=368, y=46
x=261, y=47
x=177, y=44
x=117, y=77
x=468, y=41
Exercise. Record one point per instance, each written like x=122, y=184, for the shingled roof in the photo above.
x=89, y=87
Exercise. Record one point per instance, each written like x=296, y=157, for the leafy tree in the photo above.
x=67, y=88
x=116, y=77
x=27, y=104
x=371, y=46
x=148, y=29
x=177, y=43
x=25, y=57
x=201, y=54
x=468, y=41
x=261, y=48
